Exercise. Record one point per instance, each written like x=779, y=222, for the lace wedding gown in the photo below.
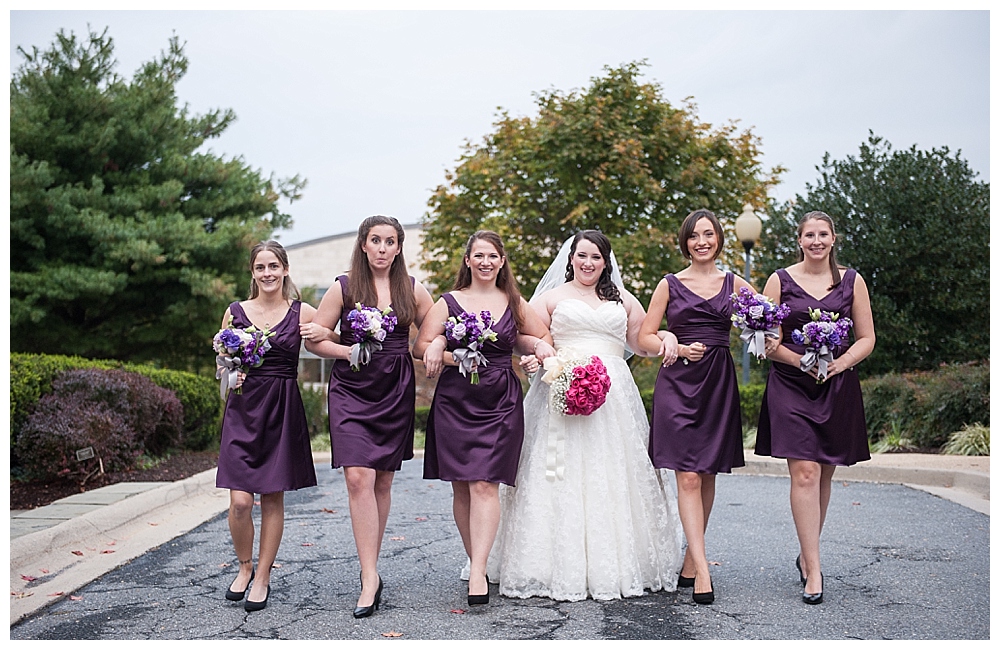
x=602, y=523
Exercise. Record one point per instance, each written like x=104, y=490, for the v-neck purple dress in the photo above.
x=372, y=410
x=265, y=438
x=800, y=418
x=696, y=423
x=474, y=432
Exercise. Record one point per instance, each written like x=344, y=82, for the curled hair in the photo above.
x=687, y=229
x=288, y=288
x=505, y=278
x=361, y=287
x=822, y=216
x=606, y=289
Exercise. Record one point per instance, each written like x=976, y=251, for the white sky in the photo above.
x=373, y=106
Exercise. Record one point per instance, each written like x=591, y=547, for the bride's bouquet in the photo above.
x=470, y=331
x=370, y=326
x=758, y=316
x=820, y=336
x=238, y=350
x=576, y=386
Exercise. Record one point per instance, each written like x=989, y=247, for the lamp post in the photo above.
x=748, y=232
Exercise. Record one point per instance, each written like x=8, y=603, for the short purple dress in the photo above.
x=474, y=432
x=371, y=411
x=799, y=418
x=696, y=424
x=265, y=438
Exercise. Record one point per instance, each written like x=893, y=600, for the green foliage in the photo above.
x=32, y=376
x=751, y=396
x=925, y=407
x=126, y=241
x=916, y=226
x=317, y=419
x=616, y=157
x=420, y=417
x=970, y=440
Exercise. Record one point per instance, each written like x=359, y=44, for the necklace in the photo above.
x=587, y=292
x=267, y=315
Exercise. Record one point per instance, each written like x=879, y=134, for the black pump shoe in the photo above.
x=802, y=576
x=257, y=605
x=705, y=597
x=685, y=582
x=813, y=599
x=364, y=612
x=238, y=595
x=481, y=599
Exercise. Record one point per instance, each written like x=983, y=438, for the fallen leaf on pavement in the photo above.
x=107, y=550
x=57, y=593
x=307, y=543
x=421, y=518
x=77, y=552
x=392, y=634
x=458, y=611
x=224, y=565
x=398, y=538
x=855, y=503
x=111, y=543
x=152, y=524
x=714, y=563
x=28, y=578
x=76, y=597
x=44, y=570
x=20, y=594
x=332, y=512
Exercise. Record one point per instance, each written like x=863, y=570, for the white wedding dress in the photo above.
x=589, y=516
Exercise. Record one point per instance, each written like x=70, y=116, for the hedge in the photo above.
x=31, y=377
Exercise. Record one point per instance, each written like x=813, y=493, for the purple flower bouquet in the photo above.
x=370, y=326
x=238, y=350
x=470, y=331
x=825, y=332
x=759, y=317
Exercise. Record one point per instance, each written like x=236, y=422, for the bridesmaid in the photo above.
x=474, y=432
x=815, y=426
x=695, y=428
x=371, y=410
x=265, y=439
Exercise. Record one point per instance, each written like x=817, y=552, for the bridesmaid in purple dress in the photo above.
x=696, y=429
x=371, y=409
x=265, y=440
x=474, y=431
x=815, y=425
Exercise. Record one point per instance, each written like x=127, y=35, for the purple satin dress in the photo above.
x=474, y=432
x=799, y=418
x=696, y=423
x=371, y=411
x=265, y=438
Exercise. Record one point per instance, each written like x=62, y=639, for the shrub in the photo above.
x=970, y=440
x=420, y=417
x=923, y=408
x=751, y=396
x=317, y=419
x=119, y=414
x=199, y=398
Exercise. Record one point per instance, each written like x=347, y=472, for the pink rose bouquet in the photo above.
x=577, y=386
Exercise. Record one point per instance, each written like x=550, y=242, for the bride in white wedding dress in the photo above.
x=589, y=516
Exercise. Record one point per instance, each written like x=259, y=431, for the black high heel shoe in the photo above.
x=257, y=605
x=802, y=576
x=364, y=612
x=705, y=597
x=238, y=595
x=481, y=599
x=813, y=599
x=685, y=582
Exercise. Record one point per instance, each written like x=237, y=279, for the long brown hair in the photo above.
x=288, y=288
x=505, y=278
x=361, y=287
x=822, y=216
x=606, y=289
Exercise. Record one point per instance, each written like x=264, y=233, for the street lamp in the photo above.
x=748, y=232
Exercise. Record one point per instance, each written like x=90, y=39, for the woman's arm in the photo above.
x=534, y=337
x=424, y=304
x=431, y=343
x=864, y=331
x=780, y=353
x=327, y=316
x=649, y=339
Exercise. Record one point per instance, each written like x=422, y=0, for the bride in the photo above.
x=589, y=516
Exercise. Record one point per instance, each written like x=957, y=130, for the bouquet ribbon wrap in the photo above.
x=467, y=358
x=361, y=353
x=227, y=374
x=755, y=339
x=821, y=358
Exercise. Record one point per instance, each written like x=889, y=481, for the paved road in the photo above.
x=899, y=564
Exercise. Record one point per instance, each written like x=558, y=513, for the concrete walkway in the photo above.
x=82, y=537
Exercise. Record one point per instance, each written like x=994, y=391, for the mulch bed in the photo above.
x=34, y=494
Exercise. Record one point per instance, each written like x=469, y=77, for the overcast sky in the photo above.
x=373, y=107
